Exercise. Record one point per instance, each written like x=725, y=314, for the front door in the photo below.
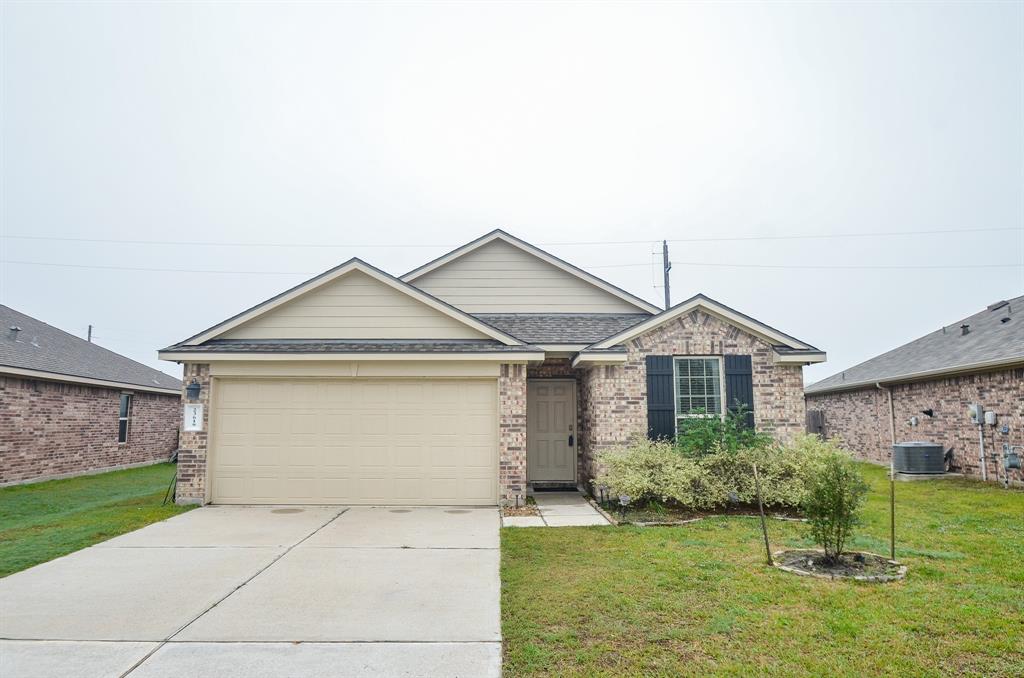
x=551, y=430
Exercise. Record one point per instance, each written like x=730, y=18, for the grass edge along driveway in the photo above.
x=43, y=521
x=698, y=599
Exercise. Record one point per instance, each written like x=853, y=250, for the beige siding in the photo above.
x=404, y=368
x=501, y=278
x=354, y=306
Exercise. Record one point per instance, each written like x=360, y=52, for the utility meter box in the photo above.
x=990, y=418
x=977, y=413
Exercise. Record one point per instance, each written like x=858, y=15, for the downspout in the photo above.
x=892, y=421
x=892, y=471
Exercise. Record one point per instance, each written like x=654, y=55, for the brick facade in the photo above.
x=511, y=432
x=615, y=396
x=860, y=418
x=611, y=400
x=54, y=429
x=193, y=444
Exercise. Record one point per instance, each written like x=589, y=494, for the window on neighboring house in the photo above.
x=699, y=390
x=123, y=416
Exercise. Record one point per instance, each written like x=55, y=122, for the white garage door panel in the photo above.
x=354, y=442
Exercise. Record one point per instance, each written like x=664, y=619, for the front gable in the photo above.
x=708, y=326
x=354, y=306
x=353, y=301
x=502, y=274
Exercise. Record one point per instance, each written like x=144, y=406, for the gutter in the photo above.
x=84, y=381
x=923, y=375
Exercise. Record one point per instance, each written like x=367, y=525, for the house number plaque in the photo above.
x=193, y=417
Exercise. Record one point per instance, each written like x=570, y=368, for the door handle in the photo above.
x=570, y=440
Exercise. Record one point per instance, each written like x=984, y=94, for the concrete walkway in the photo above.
x=256, y=592
x=558, y=509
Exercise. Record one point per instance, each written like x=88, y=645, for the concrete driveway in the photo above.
x=266, y=591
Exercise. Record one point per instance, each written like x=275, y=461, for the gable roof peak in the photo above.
x=357, y=264
x=706, y=303
x=547, y=257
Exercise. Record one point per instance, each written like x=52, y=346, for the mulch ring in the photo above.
x=858, y=565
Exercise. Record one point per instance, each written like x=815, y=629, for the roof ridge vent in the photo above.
x=998, y=305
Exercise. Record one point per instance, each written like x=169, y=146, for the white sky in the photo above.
x=416, y=128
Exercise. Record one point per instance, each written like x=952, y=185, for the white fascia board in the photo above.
x=499, y=357
x=540, y=254
x=923, y=375
x=562, y=348
x=334, y=274
x=712, y=308
x=85, y=381
x=798, y=358
x=599, y=359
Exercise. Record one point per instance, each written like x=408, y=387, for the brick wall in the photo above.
x=860, y=418
x=615, y=396
x=512, y=432
x=193, y=444
x=50, y=428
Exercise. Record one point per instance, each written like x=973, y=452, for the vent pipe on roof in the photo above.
x=965, y=329
x=13, y=332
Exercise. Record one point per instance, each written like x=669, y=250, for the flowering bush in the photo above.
x=659, y=471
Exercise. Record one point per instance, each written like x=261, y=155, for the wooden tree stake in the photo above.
x=760, y=509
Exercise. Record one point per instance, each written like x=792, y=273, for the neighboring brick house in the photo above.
x=69, y=407
x=492, y=370
x=922, y=391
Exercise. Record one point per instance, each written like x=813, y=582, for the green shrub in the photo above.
x=657, y=471
x=835, y=494
x=698, y=436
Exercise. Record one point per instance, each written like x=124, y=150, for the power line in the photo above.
x=810, y=236
x=819, y=267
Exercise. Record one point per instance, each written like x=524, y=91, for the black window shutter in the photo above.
x=739, y=384
x=661, y=410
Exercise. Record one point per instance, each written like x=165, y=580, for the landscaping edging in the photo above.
x=607, y=516
x=874, y=578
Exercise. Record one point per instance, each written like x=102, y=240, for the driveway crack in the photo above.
x=231, y=592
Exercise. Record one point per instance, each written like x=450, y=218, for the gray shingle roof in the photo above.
x=45, y=348
x=990, y=339
x=562, y=328
x=349, y=346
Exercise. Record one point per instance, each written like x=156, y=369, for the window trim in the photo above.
x=126, y=419
x=675, y=388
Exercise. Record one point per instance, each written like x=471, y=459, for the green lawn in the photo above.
x=42, y=521
x=698, y=599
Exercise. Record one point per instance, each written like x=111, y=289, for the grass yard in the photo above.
x=42, y=521
x=699, y=600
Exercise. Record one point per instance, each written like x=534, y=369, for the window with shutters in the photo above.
x=698, y=387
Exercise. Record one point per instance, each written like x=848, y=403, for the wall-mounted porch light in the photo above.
x=192, y=390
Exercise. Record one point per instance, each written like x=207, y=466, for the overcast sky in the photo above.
x=396, y=132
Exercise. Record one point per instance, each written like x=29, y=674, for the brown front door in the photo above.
x=551, y=430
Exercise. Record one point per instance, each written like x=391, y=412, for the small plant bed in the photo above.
x=859, y=565
x=660, y=515
x=527, y=509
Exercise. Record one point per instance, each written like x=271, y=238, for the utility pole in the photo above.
x=668, y=267
x=89, y=336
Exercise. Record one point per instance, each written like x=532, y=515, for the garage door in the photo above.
x=354, y=442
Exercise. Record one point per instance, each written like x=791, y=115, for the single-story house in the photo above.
x=922, y=391
x=492, y=368
x=69, y=407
